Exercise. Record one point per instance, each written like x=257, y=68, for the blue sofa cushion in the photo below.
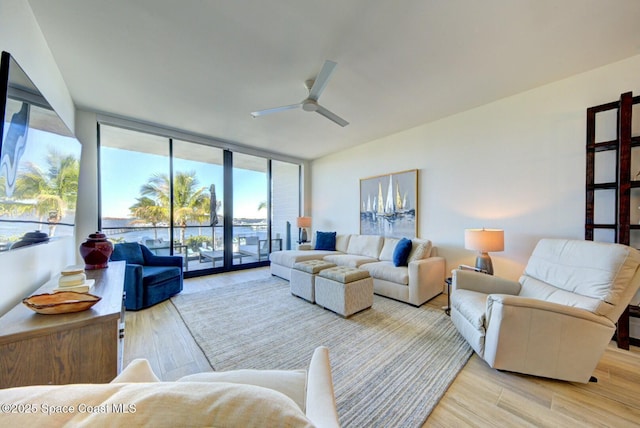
x=326, y=241
x=156, y=274
x=129, y=251
x=401, y=252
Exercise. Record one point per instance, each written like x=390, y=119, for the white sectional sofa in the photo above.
x=421, y=280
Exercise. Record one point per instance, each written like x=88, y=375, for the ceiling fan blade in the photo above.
x=322, y=79
x=275, y=110
x=331, y=116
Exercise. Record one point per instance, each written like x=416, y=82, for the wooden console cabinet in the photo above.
x=81, y=347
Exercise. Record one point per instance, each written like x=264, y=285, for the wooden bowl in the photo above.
x=63, y=302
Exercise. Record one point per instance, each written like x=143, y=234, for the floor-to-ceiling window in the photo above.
x=250, y=203
x=134, y=178
x=198, y=192
x=213, y=207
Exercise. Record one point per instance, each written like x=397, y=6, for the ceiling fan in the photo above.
x=315, y=87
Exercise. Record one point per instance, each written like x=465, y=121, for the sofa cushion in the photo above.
x=387, y=271
x=365, y=245
x=388, y=248
x=350, y=260
x=129, y=251
x=292, y=383
x=158, y=404
x=325, y=241
x=288, y=258
x=342, y=243
x=156, y=274
x=401, y=252
x=420, y=249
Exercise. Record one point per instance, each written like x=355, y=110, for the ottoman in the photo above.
x=303, y=274
x=344, y=290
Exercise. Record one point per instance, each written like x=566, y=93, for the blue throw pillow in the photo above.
x=326, y=241
x=401, y=252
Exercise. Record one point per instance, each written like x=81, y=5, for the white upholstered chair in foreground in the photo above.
x=557, y=321
x=238, y=398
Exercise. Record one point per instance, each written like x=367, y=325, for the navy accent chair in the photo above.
x=148, y=279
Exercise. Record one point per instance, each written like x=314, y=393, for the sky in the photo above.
x=124, y=172
x=38, y=145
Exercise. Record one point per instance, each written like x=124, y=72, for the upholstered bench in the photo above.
x=344, y=290
x=303, y=276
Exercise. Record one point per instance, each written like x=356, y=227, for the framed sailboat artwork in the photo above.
x=389, y=205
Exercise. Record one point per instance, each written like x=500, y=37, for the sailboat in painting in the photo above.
x=388, y=206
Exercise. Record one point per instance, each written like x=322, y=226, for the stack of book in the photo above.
x=73, y=278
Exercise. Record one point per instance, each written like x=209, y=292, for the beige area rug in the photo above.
x=391, y=364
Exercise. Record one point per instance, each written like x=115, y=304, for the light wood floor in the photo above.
x=479, y=397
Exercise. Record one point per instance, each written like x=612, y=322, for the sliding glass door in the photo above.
x=250, y=223
x=212, y=207
x=198, y=217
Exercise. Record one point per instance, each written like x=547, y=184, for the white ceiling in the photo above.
x=203, y=66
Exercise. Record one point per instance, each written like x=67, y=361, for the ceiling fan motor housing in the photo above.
x=309, y=105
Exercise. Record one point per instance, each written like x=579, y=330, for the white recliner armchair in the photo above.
x=558, y=319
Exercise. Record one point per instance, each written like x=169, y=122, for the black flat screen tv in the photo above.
x=39, y=164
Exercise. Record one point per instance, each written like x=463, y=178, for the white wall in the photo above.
x=25, y=269
x=87, y=208
x=516, y=164
x=20, y=35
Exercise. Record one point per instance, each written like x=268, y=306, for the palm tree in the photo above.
x=52, y=191
x=190, y=202
x=146, y=211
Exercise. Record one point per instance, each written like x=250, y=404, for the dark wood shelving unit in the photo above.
x=625, y=181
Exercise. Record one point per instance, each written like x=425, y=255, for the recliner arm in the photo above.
x=483, y=283
x=544, y=339
x=320, y=399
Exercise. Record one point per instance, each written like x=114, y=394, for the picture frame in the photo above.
x=389, y=205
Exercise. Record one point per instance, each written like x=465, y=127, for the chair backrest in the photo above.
x=131, y=252
x=251, y=240
x=598, y=277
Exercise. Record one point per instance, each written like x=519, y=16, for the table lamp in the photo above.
x=483, y=241
x=303, y=223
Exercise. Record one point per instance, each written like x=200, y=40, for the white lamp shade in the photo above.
x=484, y=240
x=303, y=221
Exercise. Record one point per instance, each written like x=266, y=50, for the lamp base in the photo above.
x=483, y=262
x=303, y=235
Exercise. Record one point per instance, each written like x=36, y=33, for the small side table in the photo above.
x=447, y=309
